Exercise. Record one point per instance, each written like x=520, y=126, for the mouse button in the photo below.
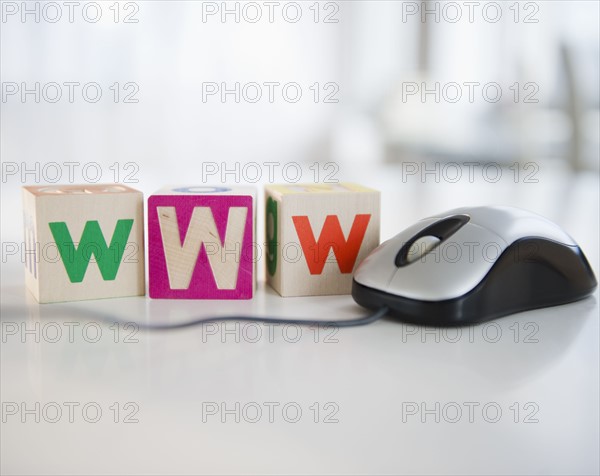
x=473, y=234
x=513, y=224
x=377, y=268
x=533, y=226
x=439, y=229
x=495, y=218
x=421, y=246
x=429, y=279
x=452, y=269
x=404, y=240
x=475, y=245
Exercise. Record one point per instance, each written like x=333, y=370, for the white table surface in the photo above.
x=543, y=363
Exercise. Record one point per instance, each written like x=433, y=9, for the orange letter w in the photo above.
x=331, y=236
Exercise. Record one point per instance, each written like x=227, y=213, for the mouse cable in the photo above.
x=361, y=321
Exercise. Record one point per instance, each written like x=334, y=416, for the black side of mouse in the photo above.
x=531, y=273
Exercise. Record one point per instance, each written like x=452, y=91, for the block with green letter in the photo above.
x=317, y=234
x=83, y=241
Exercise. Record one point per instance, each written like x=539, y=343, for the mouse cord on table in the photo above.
x=361, y=321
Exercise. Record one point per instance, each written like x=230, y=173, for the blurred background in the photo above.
x=154, y=92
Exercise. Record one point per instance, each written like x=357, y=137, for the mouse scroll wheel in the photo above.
x=429, y=238
x=421, y=247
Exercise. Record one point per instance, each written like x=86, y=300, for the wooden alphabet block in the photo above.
x=83, y=242
x=317, y=235
x=201, y=243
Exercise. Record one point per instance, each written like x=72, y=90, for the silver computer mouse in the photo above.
x=470, y=265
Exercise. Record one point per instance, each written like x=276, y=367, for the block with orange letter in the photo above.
x=317, y=234
x=201, y=243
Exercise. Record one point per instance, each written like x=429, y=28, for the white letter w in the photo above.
x=181, y=260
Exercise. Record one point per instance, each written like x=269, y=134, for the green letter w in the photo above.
x=76, y=259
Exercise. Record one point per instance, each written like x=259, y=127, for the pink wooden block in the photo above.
x=201, y=243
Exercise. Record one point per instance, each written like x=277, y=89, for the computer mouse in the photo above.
x=470, y=265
